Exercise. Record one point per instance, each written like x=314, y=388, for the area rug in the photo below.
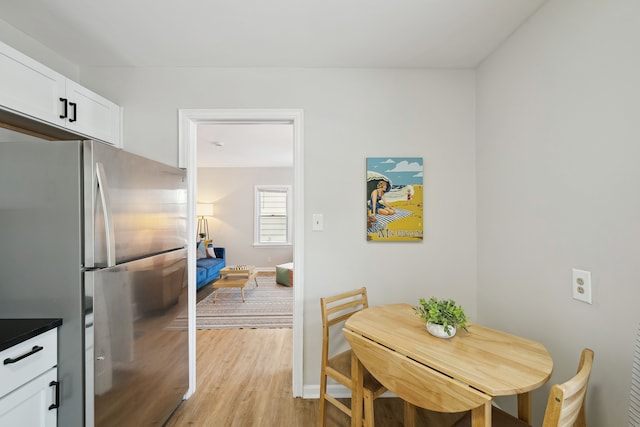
x=268, y=306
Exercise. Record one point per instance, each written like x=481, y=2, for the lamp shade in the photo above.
x=204, y=209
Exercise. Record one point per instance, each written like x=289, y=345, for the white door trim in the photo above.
x=188, y=119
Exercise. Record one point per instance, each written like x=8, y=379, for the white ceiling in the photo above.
x=270, y=33
x=273, y=33
x=245, y=145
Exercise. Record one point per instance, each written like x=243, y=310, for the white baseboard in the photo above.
x=312, y=391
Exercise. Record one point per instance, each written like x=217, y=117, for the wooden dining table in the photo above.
x=461, y=373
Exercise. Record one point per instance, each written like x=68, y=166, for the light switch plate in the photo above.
x=581, y=285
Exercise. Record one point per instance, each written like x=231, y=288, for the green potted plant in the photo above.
x=443, y=317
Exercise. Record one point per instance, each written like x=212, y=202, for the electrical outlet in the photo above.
x=581, y=285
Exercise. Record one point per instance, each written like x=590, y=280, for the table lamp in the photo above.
x=204, y=210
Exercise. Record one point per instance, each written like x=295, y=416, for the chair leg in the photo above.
x=409, y=414
x=368, y=409
x=322, y=418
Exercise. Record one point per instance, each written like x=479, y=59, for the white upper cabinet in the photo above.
x=90, y=114
x=31, y=89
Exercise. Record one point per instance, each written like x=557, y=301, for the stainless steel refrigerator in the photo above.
x=97, y=236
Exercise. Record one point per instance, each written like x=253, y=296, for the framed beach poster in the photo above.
x=394, y=199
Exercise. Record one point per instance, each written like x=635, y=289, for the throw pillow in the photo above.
x=200, y=251
x=210, y=252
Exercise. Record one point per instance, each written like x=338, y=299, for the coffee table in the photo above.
x=234, y=276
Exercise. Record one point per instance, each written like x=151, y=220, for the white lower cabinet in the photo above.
x=33, y=404
x=29, y=388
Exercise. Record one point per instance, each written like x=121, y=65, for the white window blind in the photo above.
x=272, y=215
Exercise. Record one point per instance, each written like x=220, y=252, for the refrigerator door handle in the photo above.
x=103, y=189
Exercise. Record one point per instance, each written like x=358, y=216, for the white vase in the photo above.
x=438, y=330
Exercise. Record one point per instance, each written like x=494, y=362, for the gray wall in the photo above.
x=558, y=188
x=232, y=191
x=348, y=115
x=30, y=47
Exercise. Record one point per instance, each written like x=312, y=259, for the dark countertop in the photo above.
x=15, y=331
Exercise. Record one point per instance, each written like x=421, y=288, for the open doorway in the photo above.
x=235, y=160
x=189, y=120
x=245, y=178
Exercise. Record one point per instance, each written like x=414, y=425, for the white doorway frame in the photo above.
x=188, y=120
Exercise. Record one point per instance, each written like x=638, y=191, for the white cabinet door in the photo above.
x=29, y=88
x=32, y=405
x=90, y=114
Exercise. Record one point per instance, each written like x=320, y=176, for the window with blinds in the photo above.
x=272, y=215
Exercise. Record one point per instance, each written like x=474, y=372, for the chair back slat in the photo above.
x=353, y=305
x=565, y=406
x=339, y=319
x=338, y=308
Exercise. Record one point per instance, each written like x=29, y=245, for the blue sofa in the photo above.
x=208, y=269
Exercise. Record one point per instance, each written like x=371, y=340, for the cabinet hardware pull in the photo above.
x=56, y=403
x=75, y=111
x=64, y=103
x=34, y=350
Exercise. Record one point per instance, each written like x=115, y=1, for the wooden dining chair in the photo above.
x=335, y=310
x=565, y=405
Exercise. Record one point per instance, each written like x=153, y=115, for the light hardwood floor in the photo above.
x=244, y=380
